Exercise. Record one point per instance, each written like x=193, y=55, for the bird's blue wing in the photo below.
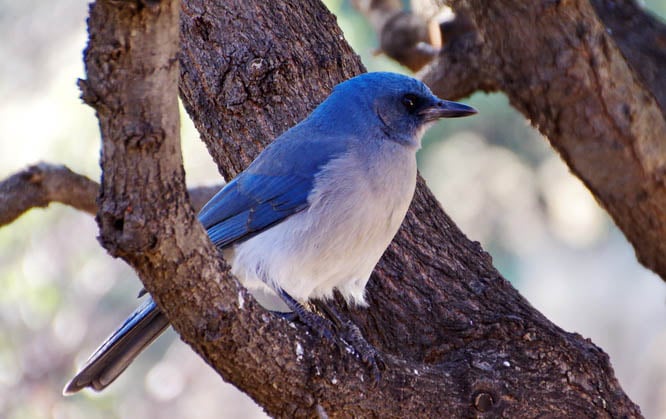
x=275, y=186
x=252, y=202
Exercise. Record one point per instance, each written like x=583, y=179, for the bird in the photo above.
x=312, y=214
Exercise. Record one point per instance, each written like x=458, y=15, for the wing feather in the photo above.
x=251, y=203
x=275, y=186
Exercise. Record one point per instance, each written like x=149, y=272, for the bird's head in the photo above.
x=400, y=106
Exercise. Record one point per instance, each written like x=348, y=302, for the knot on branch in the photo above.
x=483, y=401
x=123, y=234
x=35, y=173
x=141, y=135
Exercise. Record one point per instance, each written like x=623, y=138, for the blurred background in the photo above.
x=495, y=175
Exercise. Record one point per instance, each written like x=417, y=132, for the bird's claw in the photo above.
x=350, y=334
x=318, y=324
x=350, y=339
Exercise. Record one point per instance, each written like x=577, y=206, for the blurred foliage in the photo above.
x=496, y=176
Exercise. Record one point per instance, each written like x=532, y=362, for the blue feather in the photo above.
x=274, y=187
x=251, y=204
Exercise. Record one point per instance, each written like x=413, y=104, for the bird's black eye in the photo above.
x=410, y=101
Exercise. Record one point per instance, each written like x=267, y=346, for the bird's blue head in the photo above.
x=401, y=106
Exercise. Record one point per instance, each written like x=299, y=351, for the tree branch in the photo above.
x=559, y=67
x=41, y=184
x=44, y=183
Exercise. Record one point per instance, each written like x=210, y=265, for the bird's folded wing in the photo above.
x=251, y=203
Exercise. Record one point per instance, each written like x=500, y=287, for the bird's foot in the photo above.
x=351, y=340
x=318, y=324
x=349, y=337
x=352, y=336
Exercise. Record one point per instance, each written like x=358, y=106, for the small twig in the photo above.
x=41, y=184
x=44, y=183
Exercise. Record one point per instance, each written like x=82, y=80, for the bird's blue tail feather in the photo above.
x=145, y=324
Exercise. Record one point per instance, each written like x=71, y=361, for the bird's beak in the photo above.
x=446, y=109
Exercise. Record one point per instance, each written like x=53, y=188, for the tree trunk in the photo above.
x=457, y=339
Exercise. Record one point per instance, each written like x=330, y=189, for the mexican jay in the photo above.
x=313, y=213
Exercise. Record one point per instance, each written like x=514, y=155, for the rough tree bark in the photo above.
x=456, y=338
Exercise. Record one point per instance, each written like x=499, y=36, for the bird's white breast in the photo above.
x=356, y=207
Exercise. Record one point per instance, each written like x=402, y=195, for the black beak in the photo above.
x=447, y=109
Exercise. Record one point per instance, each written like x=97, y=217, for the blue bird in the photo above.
x=312, y=214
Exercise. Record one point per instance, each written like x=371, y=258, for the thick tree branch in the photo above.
x=41, y=184
x=561, y=69
x=144, y=214
x=44, y=183
x=231, y=81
